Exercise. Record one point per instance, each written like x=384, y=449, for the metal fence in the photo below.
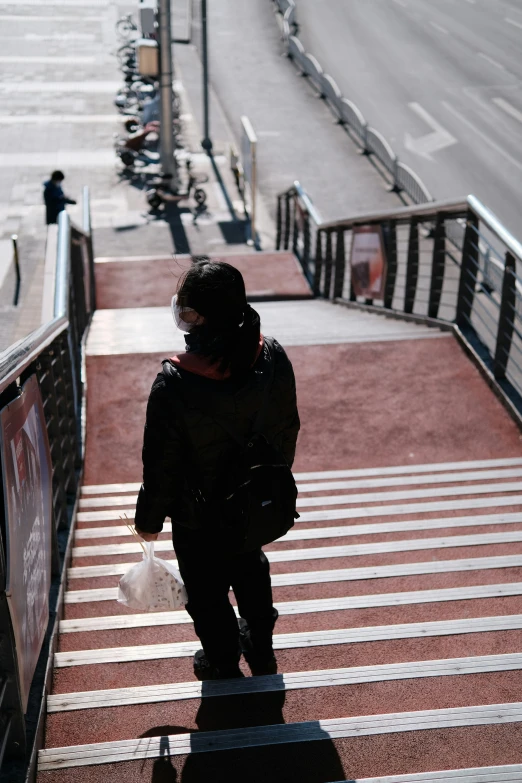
x=52, y=353
x=452, y=261
x=399, y=176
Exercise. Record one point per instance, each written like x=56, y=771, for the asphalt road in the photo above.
x=441, y=79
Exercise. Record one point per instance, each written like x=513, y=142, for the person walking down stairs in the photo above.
x=220, y=439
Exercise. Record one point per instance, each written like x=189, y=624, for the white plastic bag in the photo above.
x=154, y=585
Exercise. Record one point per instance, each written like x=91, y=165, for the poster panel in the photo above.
x=368, y=262
x=27, y=480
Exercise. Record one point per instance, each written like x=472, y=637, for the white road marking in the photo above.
x=500, y=150
x=47, y=60
x=262, y=736
x=508, y=108
x=50, y=119
x=325, y=678
x=87, y=86
x=402, y=3
x=53, y=19
x=102, y=159
x=491, y=61
x=439, y=28
x=62, y=3
x=438, y=139
x=513, y=22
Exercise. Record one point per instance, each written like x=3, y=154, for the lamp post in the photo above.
x=168, y=162
x=206, y=142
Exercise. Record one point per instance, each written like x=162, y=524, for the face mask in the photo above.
x=180, y=313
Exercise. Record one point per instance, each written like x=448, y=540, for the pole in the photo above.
x=16, y=259
x=166, y=126
x=207, y=142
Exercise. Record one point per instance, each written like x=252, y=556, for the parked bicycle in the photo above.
x=126, y=28
x=161, y=192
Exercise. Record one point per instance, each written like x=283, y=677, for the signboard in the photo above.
x=27, y=482
x=249, y=161
x=368, y=262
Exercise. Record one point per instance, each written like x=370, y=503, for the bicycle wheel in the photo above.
x=200, y=197
x=126, y=53
x=125, y=27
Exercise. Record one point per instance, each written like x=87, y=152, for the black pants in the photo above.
x=209, y=573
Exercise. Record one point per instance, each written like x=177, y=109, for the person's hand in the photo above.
x=147, y=536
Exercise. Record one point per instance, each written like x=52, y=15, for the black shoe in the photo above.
x=204, y=670
x=260, y=666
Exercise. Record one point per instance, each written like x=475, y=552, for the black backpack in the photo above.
x=255, y=498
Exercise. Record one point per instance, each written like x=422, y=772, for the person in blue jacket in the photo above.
x=54, y=197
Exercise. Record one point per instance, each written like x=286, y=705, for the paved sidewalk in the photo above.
x=298, y=138
x=58, y=84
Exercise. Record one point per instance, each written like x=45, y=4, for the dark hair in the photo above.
x=57, y=174
x=230, y=334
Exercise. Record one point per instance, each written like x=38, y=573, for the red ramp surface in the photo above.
x=399, y=589
x=151, y=281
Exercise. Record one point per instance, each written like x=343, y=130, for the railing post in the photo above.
x=391, y=264
x=328, y=263
x=318, y=263
x=412, y=266
x=286, y=235
x=279, y=224
x=437, y=267
x=295, y=235
x=340, y=263
x=469, y=268
x=506, y=318
x=16, y=259
x=306, y=245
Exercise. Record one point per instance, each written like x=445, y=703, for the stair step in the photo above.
x=399, y=470
x=353, y=513
x=321, y=577
x=298, y=640
x=310, y=731
x=113, y=622
x=328, y=678
x=326, y=552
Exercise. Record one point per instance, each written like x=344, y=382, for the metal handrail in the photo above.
x=441, y=236
x=402, y=214
x=63, y=263
x=17, y=357
x=308, y=203
x=52, y=356
x=492, y=222
x=16, y=261
x=86, y=211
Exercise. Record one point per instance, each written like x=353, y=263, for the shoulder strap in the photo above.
x=259, y=421
x=261, y=416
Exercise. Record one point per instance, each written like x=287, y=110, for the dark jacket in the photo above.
x=55, y=201
x=167, y=454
